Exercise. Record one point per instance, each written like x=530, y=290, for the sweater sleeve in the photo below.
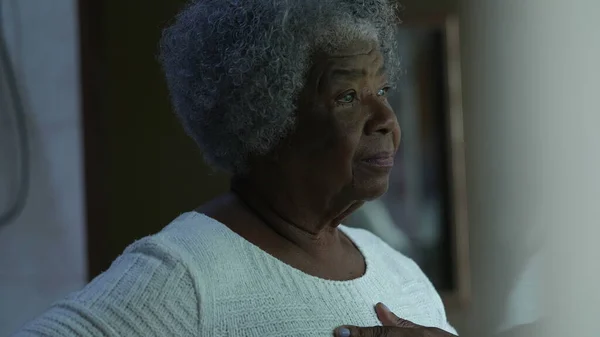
x=146, y=292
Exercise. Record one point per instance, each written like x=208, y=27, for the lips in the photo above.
x=382, y=159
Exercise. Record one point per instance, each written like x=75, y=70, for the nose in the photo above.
x=382, y=118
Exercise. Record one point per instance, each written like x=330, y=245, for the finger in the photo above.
x=388, y=318
x=375, y=331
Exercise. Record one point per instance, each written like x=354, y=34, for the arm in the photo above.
x=146, y=292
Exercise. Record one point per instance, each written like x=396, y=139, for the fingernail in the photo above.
x=343, y=332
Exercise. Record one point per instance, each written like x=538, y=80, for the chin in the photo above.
x=370, y=181
x=370, y=190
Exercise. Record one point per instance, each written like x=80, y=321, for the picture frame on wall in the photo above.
x=424, y=213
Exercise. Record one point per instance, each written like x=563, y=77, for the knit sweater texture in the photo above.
x=198, y=278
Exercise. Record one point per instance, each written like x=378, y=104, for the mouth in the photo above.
x=381, y=159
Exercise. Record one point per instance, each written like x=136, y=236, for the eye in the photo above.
x=347, y=97
x=383, y=91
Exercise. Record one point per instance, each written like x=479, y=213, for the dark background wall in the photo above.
x=420, y=9
x=141, y=169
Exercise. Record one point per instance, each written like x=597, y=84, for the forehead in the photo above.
x=361, y=58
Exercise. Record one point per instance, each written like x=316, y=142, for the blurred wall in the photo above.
x=531, y=126
x=503, y=249
x=42, y=253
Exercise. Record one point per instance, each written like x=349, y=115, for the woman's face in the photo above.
x=347, y=133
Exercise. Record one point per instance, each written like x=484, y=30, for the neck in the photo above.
x=305, y=223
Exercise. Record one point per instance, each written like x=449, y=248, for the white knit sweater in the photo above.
x=198, y=278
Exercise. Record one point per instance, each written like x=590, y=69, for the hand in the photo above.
x=393, y=326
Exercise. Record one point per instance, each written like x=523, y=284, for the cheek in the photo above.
x=348, y=132
x=397, y=136
x=334, y=132
x=328, y=137
x=338, y=146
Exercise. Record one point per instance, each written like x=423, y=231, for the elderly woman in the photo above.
x=290, y=98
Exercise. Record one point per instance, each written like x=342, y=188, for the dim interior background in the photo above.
x=110, y=164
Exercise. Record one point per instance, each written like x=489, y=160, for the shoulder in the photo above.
x=378, y=249
x=210, y=251
x=386, y=258
x=148, y=290
x=196, y=239
x=154, y=271
x=173, y=247
x=186, y=236
x=400, y=270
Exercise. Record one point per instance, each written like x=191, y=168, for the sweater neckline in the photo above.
x=281, y=265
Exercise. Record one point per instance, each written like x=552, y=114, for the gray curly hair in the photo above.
x=235, y=68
